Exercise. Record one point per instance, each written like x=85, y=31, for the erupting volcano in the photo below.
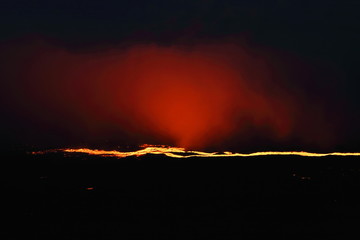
x=185, y=119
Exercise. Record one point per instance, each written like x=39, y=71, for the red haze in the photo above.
x=192, y=97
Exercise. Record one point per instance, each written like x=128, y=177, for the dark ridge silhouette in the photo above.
x=154, y=197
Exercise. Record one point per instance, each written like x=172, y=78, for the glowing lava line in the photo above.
x=177, y=152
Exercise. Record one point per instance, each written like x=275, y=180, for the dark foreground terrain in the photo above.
x=53, y=196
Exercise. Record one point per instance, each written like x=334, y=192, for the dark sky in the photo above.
x=300, y=57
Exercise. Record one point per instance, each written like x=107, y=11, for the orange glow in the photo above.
x=192, y=97
x=177, y=152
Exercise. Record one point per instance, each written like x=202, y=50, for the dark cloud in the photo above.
x=194, y=96
x=284, y=75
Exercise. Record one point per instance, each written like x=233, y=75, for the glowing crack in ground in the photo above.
x=177, y=152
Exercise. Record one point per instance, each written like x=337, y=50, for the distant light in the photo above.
x=178, y=152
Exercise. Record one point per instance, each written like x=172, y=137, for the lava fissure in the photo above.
x=178, y=152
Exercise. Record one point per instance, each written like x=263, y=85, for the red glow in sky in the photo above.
x=192, y=97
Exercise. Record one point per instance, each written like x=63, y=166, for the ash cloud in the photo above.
x=221, y=95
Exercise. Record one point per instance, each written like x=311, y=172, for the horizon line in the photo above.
x=178, y=152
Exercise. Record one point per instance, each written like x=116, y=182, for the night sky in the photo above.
x=225, y=75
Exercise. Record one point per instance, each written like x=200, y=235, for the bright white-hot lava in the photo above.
x=177, y=152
